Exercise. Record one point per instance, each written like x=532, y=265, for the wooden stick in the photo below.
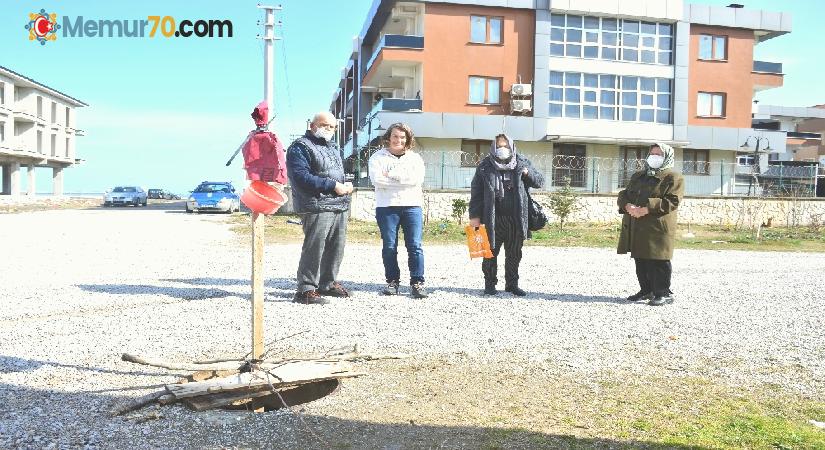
x=177, y=366
x=258, y=227
x=137, y=403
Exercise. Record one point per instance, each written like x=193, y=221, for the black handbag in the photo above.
x=536, y=220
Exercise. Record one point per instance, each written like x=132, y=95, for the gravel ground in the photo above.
x=82, y=287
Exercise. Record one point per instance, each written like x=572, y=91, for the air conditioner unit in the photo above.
x=521, y=105
x=521, y=89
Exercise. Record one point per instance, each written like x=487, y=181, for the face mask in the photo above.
x=323, y=133
x=655, y=161
x=503, y=153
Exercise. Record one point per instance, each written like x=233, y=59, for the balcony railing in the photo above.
x=398, y=104
x=767, y=67
x=396, y=41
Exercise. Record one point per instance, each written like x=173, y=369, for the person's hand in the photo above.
x=630, y=208
x=642, y=211
x=475, y=222
x=343, y=189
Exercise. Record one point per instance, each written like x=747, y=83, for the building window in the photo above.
x=632, y=162
x=67, y=147
x=610, y=97
x=485, y=30
x=39, y=142
x=2, y=93
x=710, y=104
x=2, y=131
x=40, y=106
x=54, y=145
x=695, y=162
x=54, y=112
x=611, y=39
x=713, y=47
x=67, y=117
x=569, y=161
x=484, y=91
x=472, y=151
x=745, y=160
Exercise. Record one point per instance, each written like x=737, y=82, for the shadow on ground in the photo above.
x=77, y=419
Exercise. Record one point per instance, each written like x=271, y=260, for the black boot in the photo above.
x=515, y=290
x=490, y=288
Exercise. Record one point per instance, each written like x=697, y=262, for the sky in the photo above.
x=168, y=112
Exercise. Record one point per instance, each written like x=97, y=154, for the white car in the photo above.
x=125, y=195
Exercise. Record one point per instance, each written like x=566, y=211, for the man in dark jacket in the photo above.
x=320, y=195
x=498, y=199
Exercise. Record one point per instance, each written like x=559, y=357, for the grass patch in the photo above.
x=278, y=229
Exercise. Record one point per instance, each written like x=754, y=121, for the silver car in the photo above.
x=125, y=195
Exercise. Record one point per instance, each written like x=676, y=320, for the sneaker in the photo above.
x=640, y=296
x=336, y=290
x=418, y=290
x=490, y=289
x=310, y=297
x=391, y=289
x=660, y=300
x=515, y=290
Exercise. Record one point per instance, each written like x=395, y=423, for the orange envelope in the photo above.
x=477, y=242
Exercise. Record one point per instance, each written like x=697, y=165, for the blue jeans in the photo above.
x=411, y=220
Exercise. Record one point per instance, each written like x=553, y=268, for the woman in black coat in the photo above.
x=498, y=199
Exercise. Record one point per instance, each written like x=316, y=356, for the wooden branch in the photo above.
x=137, y=403
x=178, y=366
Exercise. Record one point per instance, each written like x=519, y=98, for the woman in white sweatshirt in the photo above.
x=398, y=175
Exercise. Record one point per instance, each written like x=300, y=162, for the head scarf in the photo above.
x=667, y=152
x=503, y=169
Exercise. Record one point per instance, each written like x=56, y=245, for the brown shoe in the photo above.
x=336, y=290
x=310, y=297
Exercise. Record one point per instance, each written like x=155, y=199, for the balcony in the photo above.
x=766, y=75
x=767, y=67
x=397, y=104
x=395, y=41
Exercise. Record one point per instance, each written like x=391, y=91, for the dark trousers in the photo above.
x=510, y=235
x=653, y=275
x=325, y=234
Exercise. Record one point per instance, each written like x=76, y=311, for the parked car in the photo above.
x=125, y=195
x=156, y=193
x=214, y=196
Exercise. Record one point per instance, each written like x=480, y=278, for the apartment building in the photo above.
x=37, y=129
x=583, y=86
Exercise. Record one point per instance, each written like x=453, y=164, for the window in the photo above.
x=632, y=157
x=745, y=160
x=2, y=93
x=472, y=151
x=485, y=30
x=610, y=97
x=569, y=162
x=39, y=142
x=695, y=162
x=54, y=145
x=611, y=39
x=67, y=117
x=713, y=47
x=2, y=131
x=54, y=112
x=710, y=104
x=484, y=91
x=39, y=106
x=67, y=147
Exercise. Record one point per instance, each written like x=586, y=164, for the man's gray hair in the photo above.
x=323, y=115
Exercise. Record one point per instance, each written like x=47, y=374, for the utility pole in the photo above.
x=258, y=219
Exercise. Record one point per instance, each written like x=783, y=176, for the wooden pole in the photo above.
x=258, y=222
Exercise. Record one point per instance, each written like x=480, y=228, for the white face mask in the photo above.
x=655, y=161
x=323, y=133
x=503, y=153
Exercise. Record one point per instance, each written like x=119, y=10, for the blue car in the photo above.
x=213, y=196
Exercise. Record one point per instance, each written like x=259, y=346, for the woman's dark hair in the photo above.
x=410, y=144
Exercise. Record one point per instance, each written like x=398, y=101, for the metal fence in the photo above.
x=455, y=170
